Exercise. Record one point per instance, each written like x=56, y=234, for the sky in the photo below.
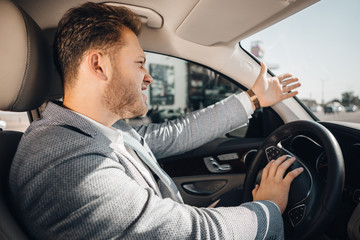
x=320, y=45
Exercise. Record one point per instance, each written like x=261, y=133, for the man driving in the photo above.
x=81, y=172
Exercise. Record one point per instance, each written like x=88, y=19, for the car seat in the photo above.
x=25, y=80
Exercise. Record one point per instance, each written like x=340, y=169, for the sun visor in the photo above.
x=236, y=19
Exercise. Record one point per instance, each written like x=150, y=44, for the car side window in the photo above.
x=180, y=87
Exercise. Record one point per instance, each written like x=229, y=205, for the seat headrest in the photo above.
x=25, y=63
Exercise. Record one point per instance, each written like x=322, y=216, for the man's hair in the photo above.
x=91, y=26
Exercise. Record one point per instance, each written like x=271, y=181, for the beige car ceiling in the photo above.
x=192, y=20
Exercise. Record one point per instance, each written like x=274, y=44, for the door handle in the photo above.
x=192, y=189
x=204, y=188
x=214, y=167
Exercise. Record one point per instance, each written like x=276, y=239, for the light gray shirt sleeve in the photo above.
x=196, y=128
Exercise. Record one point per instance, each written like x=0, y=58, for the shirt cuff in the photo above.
x=275, y=205
x=245, y=101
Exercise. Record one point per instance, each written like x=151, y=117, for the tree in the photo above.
x=348, y=98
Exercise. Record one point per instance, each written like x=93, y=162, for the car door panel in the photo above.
x=214, y=171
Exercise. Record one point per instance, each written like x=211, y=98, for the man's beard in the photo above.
x=121, y=100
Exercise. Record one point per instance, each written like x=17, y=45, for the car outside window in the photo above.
x=180, y=87
x=320, y=45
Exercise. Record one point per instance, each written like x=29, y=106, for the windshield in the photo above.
x=321, y=46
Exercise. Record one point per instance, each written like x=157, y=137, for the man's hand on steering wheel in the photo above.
x=274, y=186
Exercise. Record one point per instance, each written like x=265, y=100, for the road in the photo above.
x=342, y=116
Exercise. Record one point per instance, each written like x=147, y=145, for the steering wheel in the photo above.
x=312, y=204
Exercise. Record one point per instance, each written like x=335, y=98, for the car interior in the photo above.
x=324, y=202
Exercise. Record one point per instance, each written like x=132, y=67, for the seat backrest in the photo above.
x=9, y=228
x=25, y=80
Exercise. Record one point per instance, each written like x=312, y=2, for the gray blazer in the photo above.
x=68, y=183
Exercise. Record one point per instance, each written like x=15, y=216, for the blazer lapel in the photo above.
x=133, y=140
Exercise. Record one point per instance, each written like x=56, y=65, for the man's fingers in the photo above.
x=284, y=166
x=292, y=175
x=254, y=191
x=289, y=81
x=263, y=69
x=266, y=169
x=275, y=164
x=291, y=87
x=284, y=76
x=279, y=167
x=289, y=95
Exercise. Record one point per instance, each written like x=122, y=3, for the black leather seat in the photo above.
x=9, y=228
x=25, y=82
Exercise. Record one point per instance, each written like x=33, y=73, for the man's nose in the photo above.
x=148, y=79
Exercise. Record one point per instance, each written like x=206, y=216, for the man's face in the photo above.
x=123, y=96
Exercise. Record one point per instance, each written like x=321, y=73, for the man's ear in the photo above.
x=97, y=64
